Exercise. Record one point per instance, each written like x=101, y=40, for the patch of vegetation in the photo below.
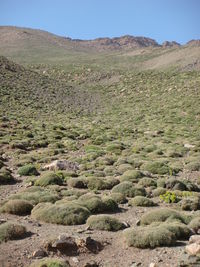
x=10, y=231
x=48, y=179
x=64, y=213
x=17, y=206
x=128, y=190
x=190, y=203
x=104, y=222
x=28, y=170
x=162, y=215
x=169, y=197
x=141, y=201
x=118, y=198
x=157, y=167
x=50, y=263
x=6, y=176
x=131, y=175
x=36, y=195
x=149, y=237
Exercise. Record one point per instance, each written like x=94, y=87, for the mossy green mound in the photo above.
x=162, y=215
x=6, y=176
x=141, y=201
x=104, y=222
x=49, y=178
x=28, y=170
x=65, y=213
x=131, y=175
x=17, y=206
x=50, y=263
x=149, y=237
x=118, y=198
x=129, y=190
x=36, y=195
x=10, y=231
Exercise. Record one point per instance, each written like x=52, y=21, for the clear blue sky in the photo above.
x=87, y=19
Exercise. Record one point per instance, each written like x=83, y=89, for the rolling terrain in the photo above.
x=97, y=136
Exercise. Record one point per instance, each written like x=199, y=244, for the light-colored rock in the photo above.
x=188, y=146
x=61, y=165
x=153, y=264
x=194, y=239
x=193, y=249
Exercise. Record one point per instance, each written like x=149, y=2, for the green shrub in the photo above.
x=124, y=167
x=104, y=222
x=141, y=201
x=101, y=183
x=156, y=167
x=28, y=170
x=169, y=197
x=190, y=203
x=195, y=224
x=109, y=204
x=147, y=182
x=161, y=182
x=66, y=213
x=48, y=178
x=193, y=166
x=10, y=231
x=6, y=176
x=36, y=195
x=131, y=175
x=158, y=191
x=77, y=182
x=181, y=231
x=17, y=206
x=92, y=202
x=50, y=263
x=149, y=237
x=128, y=190
x=175, y=184
x=118, y=198
x=162, y=215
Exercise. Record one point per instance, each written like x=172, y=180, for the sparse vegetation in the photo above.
x=104, y=222
x=10, y=231
x=17, y=206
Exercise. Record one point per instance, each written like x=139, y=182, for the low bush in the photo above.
x=17, y=206
x=147, y=182
x=6, y=176
x=36, y=195
x=128, y=190
x=158, y=191
x=101, y=183
x=169, y=197
x=104, y=222
x=141, y=201
x=162, y=215
x=131, y=175
x=175, y=184
x=48, y=178
x=66, y=213
x=195, y=224
x=28, y=170
x=77, y=182
x=50, y=263
x=10, y=231
x=118, y=198
x=190, y=203
x=156, y=167
x=149, y=237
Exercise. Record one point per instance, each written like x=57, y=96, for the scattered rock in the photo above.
x=188, y=146
x=61, y=165
x=152, y=264
x=194, y=239
x=39, y=253
x=193, y=249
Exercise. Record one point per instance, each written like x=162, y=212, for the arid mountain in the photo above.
x=26, y=45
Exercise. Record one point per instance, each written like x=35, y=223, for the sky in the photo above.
x=161, y=20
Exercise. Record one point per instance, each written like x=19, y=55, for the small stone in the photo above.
x=152, y=264
x=194, y=239
x=193, y=249
x=91, y=264
x=39, y=253
x=75, y=260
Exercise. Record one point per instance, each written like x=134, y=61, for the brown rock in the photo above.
x=39, y=253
